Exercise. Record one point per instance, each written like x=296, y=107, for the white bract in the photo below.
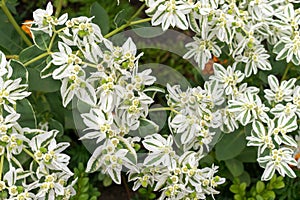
x=279, y=92
x=48, y=162
x=44, y=20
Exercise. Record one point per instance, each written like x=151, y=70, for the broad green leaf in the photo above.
x=245, y=178
x=122, y=17
x=54, y=124
x=10, y=41
x=29, y=53
x=36, y=83
x=41, y=39
x=27, y=118
x=147, y=127
x=230, y=145
x=248, y=155
x=235, y=167
x=19, y=71
x=101, y=17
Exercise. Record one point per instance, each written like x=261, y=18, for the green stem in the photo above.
x=30, y=154
x=58, y=7
x=163, y=109
x=1, y=165
x=14, y=23
x=51, y=42
x=125, y=26
x=137, y=13
x=289, y=65
x=16, y=57
x=129, y=23
x=37, y=58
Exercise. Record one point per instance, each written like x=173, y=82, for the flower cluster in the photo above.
x=107, y=79
x=194, y=115
x=239, y=26
x=177, y=177
x=271, y=123
x=48, y=175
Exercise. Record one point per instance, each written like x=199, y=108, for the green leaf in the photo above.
x=36, y=83
x=54, y=124
x=19, y=71
x=260, y=186
x=101, y=17
x=270, y=195
x=41, y=39
x=29, y=53
x=147, y=127
x=152, y=196
x=10, y=41
x=27, y=118
x=83, y=197
x=234, y=189
x=230, y=145
x=243, y=186
x=84, y=181
x=143, y=191
x=249, y=155
x=107, y=181
x=235, y=167
x=85, y=189
x=278, y=183
x=258, y=197
x=245, y=178
x=122, y=17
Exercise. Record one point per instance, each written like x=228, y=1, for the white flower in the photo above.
x=161, y=151
x=98, y=124
x=77, y=86
x=201, y=49
x=296, y=99
x=255, y=58
x=279, y=160
x=68, y=63
x=288, y=110
x=110, y=159
x=279, y=93
x=260, y=9
x=229, y=121
x=248, y=108
x=52, y=186
x=229, y=78
x=280, y=127
x=12, y=91
x=82, y=32
x=49, y=153
x=44, y=19
x=260, y=138
x=169, y=12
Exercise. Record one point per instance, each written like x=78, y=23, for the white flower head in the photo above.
x=44, y=20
